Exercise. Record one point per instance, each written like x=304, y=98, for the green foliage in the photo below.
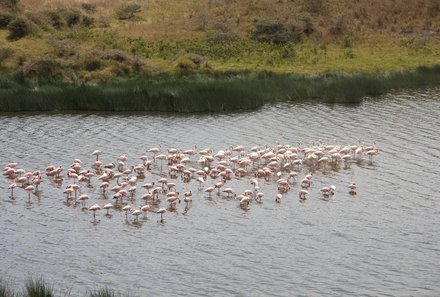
x=18, y=28
x=186, y=92
x=38, y=288
x=128, y=11
x=5, y=19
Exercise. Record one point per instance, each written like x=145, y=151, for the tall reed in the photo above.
x=210, y=92
x=38, y=288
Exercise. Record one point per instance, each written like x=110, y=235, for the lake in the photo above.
x=383, y=241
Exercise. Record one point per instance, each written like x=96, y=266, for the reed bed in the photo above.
x=40, y=288
x=211, y=92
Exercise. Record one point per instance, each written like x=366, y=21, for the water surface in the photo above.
x=383, y=241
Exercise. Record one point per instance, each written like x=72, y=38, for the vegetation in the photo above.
x=40, y=288
x=100, y=43
x=189, y=92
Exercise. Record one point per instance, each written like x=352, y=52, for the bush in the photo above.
x=313, y=6
x=5, y=19
x=54, y=19
x=89, y=7
x=72, y=17
x=116, y=55
x=18, y=28
x=222, y=33
x=192, y=62
x=339, y=26
x=87, y=21
x=42, y=69
x=128, y=11
x=91, y=61
x=63, y=48
x=5, y=53
x=12, y=4
x=274, y=32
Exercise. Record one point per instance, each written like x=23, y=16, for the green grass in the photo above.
x=38, y=288
x=211, y=92
x=104, y=292
x=5, y=291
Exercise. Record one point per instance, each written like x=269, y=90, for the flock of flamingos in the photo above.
x=121, y=184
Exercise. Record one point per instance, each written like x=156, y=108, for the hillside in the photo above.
x=97, y=40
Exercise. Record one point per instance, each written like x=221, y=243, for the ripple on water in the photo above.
x=381, y=241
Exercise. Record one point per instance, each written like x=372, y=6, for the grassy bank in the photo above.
x=226, y=91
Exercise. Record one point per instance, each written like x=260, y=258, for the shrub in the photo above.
x=128, y=11
x=18, y=28
x=55, y=19
x=87, y=21
x=116, y=55
x=91, y=61
x=222, y=33
x=12, y=4
x=5, y=19
x=63, y=48
x=42, y=69
x=433, y=9
x=273, y=32
x=313, y=6
x=71, y=16
x=192, y=62
x=89, y=7
x=339, y=26
x=5, y=53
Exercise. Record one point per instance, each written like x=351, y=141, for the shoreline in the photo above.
x=187, y=92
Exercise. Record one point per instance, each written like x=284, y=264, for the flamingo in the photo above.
x=278, y=198
x=303, y=193
x=352, y=188
x=145, y=209
x=29, y=189
x=94, y=208
x=229, y=191
x=154, y=150
x=83, y=199
x=126, y=208
x=187, y=196
x=209, y=190
x=161, y=211
x=136, y=213
x=12, y=187
x=97, y=153
x=107, y=207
